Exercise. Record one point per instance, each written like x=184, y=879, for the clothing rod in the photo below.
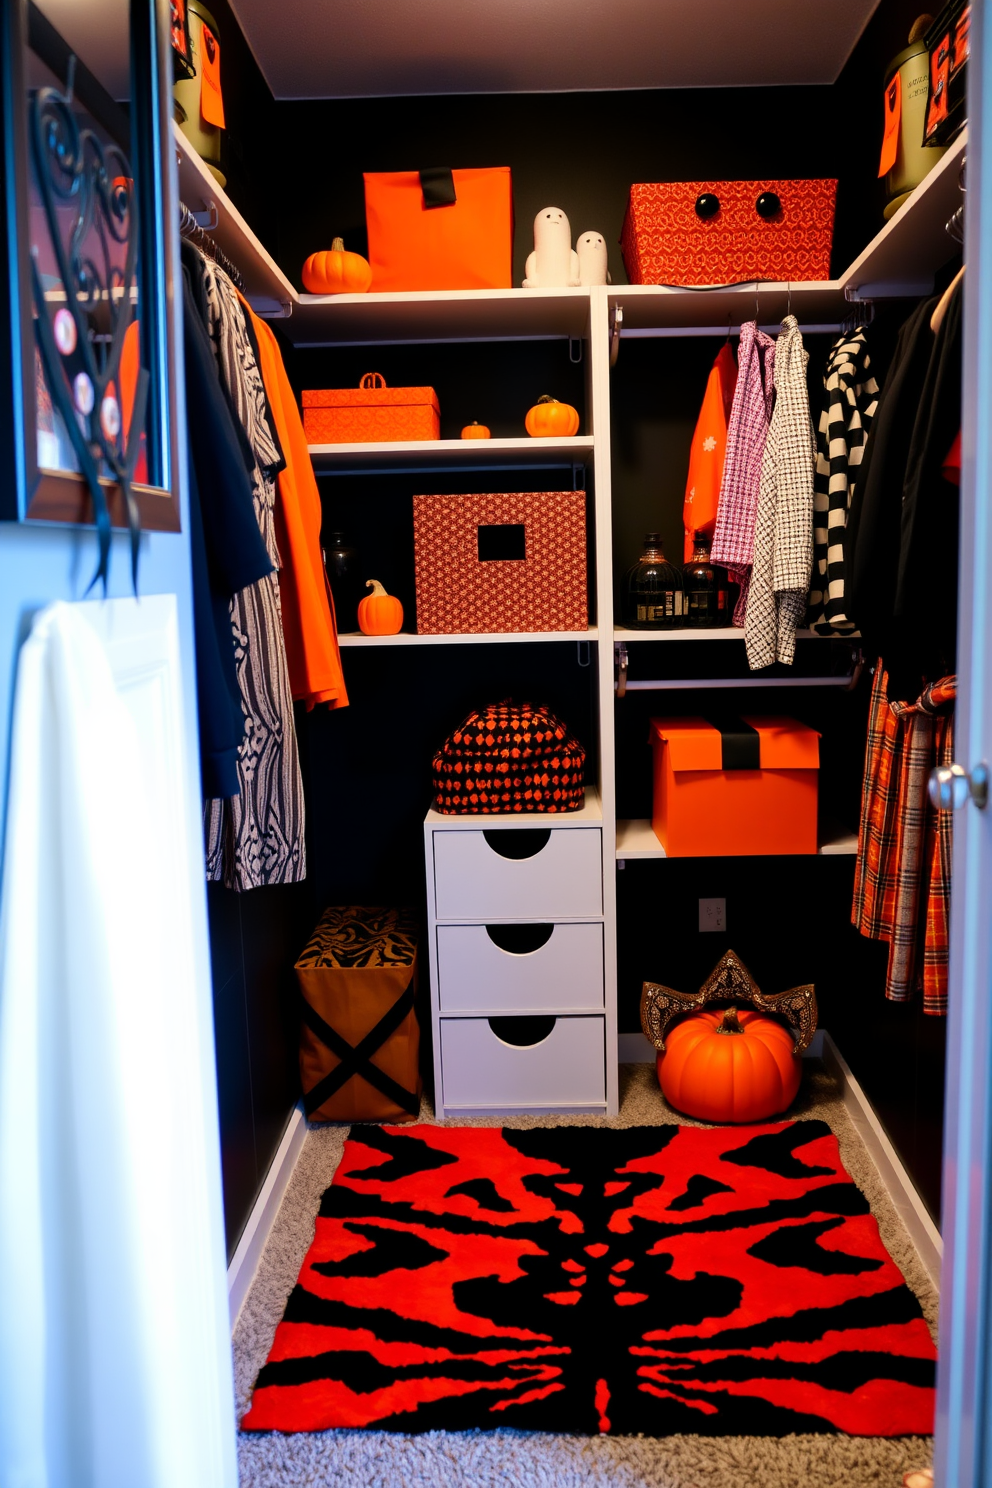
x=688, y=684
x=651, y=333
x=190, y=229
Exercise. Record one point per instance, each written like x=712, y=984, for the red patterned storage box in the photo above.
x=500, y=562
x=370, y=414
x=727, y=232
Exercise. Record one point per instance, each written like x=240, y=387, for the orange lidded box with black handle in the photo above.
x=733, y=787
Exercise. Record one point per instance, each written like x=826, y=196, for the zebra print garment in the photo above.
x=850, y=401
x=256, y=838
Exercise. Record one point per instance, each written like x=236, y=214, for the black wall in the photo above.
x=295, y=169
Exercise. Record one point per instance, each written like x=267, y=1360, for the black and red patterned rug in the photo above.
x=655, y=1279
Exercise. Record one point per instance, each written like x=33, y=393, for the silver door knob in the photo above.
x=950, y=786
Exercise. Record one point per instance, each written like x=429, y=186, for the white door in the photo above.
x=964, y=1406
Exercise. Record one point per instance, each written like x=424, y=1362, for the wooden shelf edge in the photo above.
x=591, y=814
x=485, y=638
x=636, y=839
x=475, y=451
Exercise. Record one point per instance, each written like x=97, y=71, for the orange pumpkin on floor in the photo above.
x=379, y=613
x=724, y=1065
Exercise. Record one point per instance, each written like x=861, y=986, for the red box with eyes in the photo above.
x=728, y=232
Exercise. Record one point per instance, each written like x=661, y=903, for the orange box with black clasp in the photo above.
x=734, y=787
x=372, y=413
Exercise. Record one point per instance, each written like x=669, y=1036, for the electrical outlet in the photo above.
x=712, y=914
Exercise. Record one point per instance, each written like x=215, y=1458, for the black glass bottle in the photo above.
x=341, y=563
x=652, y=596
x=706, y=589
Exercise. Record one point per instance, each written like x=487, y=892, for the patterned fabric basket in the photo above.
x=509, y=758
x=500, y=561
x=728, y=232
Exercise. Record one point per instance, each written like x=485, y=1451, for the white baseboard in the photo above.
x=634, y=1048
x=244, y=1262
x=911, y=1209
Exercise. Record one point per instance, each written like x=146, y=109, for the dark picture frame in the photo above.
x=33, y=493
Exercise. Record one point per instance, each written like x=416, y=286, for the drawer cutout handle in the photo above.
x=520, y=940
x=522, y=1033
x=518, y=842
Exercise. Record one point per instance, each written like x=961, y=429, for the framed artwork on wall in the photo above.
x=85, y=385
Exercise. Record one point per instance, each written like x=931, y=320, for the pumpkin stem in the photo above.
x=731, y=1023
x=337, y=245
x=546, y=398
x=376, y=587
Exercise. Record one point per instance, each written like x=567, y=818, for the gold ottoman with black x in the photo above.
x=359, y=1035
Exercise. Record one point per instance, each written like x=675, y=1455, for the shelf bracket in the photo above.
x=621, y=661
x=209, y=219
x=268, y=308
x=616, y=329
x=573, y=343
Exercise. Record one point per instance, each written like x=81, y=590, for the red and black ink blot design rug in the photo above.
x=652, y=1279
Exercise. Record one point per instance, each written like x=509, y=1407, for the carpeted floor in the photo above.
x=379, y=1459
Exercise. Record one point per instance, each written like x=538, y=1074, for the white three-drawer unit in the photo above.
x=518, y=971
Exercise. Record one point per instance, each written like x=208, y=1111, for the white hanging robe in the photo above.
x=114, y=1346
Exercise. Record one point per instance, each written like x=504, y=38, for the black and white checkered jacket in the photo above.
x=850, y=401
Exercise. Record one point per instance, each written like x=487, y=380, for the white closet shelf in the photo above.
x=439, y=315
x=415, y=453
x=636, y=839
x=591, y=813
x=914, y=242
x=493, y=638
x=266, y=285
x=724, y=633
x=906, y=252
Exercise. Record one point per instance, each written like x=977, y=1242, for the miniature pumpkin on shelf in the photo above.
x=549, y=419
x=729, y=1065
x=475, y=430
x=336, y=271
x=379, y=613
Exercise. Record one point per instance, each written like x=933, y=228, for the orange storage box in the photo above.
x=440, y=229
x=734, y=788
x=372, y=413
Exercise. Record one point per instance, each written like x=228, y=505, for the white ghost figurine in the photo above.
x=591, y=253
x=554, y=262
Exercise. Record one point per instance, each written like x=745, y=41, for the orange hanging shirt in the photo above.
x=315, y=674
x=709, y=443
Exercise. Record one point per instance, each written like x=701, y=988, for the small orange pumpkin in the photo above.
x=729, y=1066
x=379, y=613
x=476, y=430
x=549, y=419
x=336, y=271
